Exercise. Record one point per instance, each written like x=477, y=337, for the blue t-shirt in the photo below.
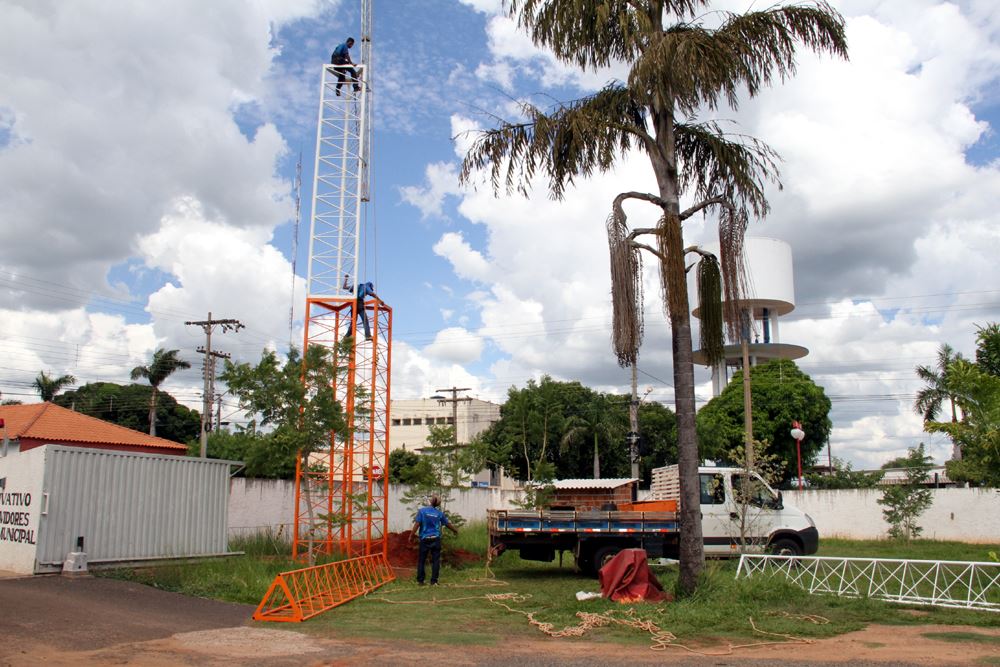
x=340, y=55
x=430, y=520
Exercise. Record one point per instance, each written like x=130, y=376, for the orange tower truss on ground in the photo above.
x=341, y=490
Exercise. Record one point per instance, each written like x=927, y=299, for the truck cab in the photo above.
x=741, y=513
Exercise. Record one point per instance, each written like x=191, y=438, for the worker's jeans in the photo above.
x=363, y=313
x=432, y=546
x=345, y=73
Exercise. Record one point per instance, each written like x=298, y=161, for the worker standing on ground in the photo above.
x=428, y=522
x=342, y=58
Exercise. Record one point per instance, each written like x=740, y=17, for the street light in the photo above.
x=798, y=434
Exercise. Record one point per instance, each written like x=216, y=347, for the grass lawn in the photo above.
x=457, y=612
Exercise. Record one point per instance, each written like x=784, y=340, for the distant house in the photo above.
x=592, y=494
x=936, y=477
x=38, y=424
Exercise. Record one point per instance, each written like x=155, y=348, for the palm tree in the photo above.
x=938, y=389
x=48, y=386
x=596, y=422
x=679, y=66
x=162, y=366
x=931, y=398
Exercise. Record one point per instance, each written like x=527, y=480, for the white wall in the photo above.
x=256, y=505
x=964, y=515
x=259, y=504
x=21, y=503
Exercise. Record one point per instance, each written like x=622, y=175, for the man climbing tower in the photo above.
x=341, y=57
x=365, y=290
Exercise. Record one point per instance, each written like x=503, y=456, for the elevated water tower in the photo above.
x=771, y=296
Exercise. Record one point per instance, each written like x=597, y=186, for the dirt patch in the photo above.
x=403, y=553
x=228, y=647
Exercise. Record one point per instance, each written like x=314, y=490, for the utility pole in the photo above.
x=208, y=326
x=633, y=423
x=747, y=399
x=455, y=400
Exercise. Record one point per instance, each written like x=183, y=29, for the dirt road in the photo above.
x=90, y=621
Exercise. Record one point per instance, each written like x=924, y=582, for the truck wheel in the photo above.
x=785, y=546
x=602, y=556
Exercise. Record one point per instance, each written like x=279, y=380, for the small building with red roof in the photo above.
x=37, y=424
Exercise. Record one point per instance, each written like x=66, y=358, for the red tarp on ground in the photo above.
x=627, y=578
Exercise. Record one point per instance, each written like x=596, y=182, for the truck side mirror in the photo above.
x=780, y=505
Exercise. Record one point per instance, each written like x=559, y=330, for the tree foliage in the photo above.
x=931, y=398
x=904, y=503
x=973, y=390
x=550, y=428
x=163, y=364
x=128, y=406
x=410, y=468
x=291, y=405
x=988, y=348
x=265, y=455
x=682, y=60
x=781, y=394
x=977, y=435
x=48, y=386
x=443, y=466
x=843, y=476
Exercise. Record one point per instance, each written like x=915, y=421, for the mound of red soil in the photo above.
x=402, y=553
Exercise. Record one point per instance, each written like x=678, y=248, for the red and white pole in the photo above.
x=798, y=434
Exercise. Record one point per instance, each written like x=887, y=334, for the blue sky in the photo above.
x=147, y=156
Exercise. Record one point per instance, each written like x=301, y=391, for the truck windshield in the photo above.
x=756, y=491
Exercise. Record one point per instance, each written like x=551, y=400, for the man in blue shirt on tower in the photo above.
x=365, y=290
x=341, y=57
x=429, y=521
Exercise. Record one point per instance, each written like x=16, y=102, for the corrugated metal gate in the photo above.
x=130, y=507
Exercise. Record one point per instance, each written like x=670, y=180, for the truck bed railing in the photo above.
x=558, y=521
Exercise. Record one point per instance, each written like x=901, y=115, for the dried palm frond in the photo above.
x=626, y=291
x=673, y=277
x=735, y=281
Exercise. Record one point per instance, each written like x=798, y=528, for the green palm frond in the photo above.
x=595, y=33
x=690, y=65
x=713, y=163
x=710, y=306
x=576, y=139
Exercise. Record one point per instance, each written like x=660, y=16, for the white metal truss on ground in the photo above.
x=959, y=584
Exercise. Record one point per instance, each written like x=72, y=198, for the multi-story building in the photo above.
x=411, y=421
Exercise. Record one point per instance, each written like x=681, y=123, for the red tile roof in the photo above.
x=53, y=423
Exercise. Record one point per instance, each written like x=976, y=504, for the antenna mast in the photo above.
x=342, y=489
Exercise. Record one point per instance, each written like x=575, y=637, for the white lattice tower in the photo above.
x=341, y=494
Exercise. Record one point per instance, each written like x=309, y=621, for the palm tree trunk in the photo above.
x=597, y=460
x=524, y=445
x=691, y=550
x=692, y=553
x=152, y=413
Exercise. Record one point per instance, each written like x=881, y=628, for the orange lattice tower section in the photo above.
x=341, y=490
x=341, y=496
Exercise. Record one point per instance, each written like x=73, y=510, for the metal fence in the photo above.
x=958, y=584
x=131, y=506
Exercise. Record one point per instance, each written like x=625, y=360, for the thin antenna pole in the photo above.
x=295, y=243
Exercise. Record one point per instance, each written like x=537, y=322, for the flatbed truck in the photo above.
x=593, y=537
